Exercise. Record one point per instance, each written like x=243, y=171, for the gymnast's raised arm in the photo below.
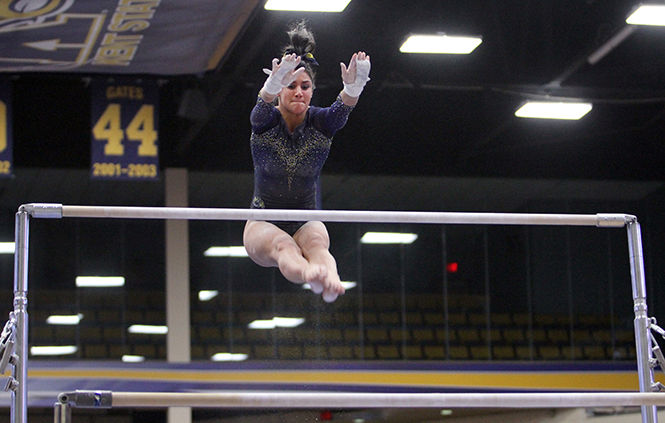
x=355, y=77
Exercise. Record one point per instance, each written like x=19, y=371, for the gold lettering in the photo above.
x=121, y=22
x=114, y=56
x=116, y=49
x=145, y=8
x=131, y=92
x=154, y=3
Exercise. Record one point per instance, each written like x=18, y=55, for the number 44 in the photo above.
x=141, y=129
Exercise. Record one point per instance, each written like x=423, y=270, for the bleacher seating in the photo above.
x=376, y=328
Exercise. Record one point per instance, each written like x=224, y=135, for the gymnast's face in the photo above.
x=296, y=97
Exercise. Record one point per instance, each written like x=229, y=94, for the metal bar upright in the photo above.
x=641, y=322
x=62, y=413
x=19, y=404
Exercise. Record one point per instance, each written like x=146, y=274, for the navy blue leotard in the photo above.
x=287, y=166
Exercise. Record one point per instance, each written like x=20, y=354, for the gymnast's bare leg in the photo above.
x=303, y=258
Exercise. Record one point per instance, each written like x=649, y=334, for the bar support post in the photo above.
x=19, y=404
x=641, y=322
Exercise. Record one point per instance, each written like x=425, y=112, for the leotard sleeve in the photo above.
x=264, y=116
x=331, y=119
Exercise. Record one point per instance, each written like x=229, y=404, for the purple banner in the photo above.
x=6, y=154
x=124, y=136
x=118, y=36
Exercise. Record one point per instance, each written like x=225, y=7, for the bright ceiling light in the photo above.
x=207, y=295
x=54, y=350
x=236, y=251
x=149, y=329
x=262, y=324
x=288, y=322
x=276, y=322
x=553, y=110
x=7, y=248
x=648, y=14
x=63, y=319
x=225, y=356
x=440, y=44
x=345, y=284
x=133, y=358
x=99, y=281
x=388, y=238
x=307, y=5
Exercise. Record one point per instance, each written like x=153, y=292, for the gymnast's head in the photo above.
x=296, y=97
x=302, y=43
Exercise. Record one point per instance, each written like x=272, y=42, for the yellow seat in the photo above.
x=413, y=352
x=340, y=352
x=513, y=335
x=503, y=352
x=376, y=335
x=289, y=352
x=423, y=335
x=458, y=352
x=387, y=352
x=434, y=352
x=523, y=352
x=594, y=352
x=557, y=335
x=365, y=353
x=479, y=352
x=467, y=335
x=549, y=352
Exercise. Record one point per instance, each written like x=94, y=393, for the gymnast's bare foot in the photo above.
x=321, y=281
x=315, y=276
x=333, y=289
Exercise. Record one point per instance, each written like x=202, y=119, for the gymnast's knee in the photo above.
x=313, y=239
x=282, y=244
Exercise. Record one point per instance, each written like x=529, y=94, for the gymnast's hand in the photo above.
x=282, y=74
x=356, y=75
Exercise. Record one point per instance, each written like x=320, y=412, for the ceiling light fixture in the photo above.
x=553, y=110
x=225, y=356
x=133, y=358
x=149, y=329
x=235, y=251
x=275, y=322
x=62, y=319
x=207, y=295
x=7, y=248
x=440, y=44
x=99, y=281
x=388, y=238
x=334, y=6
x=648, y=14
x=53, y=350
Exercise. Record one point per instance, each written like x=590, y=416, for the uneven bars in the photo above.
x=358, y=216
x=308, y=400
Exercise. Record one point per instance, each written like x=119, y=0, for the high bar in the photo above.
x=317, y=400
x=356, y=216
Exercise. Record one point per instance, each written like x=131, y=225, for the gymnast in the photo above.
x=290, y=142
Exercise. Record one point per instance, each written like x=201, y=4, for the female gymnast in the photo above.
x=290, y=143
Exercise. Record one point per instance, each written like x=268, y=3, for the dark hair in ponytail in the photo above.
x=302, y=43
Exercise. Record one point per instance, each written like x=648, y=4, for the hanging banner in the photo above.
x=6, y=152
x=124, y=138
x=119, y=36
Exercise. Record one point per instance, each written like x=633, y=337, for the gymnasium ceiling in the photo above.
x=420, y=115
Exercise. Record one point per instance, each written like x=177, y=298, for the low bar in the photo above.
x=358, y=216
x=318, y=400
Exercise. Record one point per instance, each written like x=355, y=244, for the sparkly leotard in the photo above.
x=287, y=166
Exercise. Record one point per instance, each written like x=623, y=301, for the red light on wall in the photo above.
x=452, y=267
x=326, y=415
